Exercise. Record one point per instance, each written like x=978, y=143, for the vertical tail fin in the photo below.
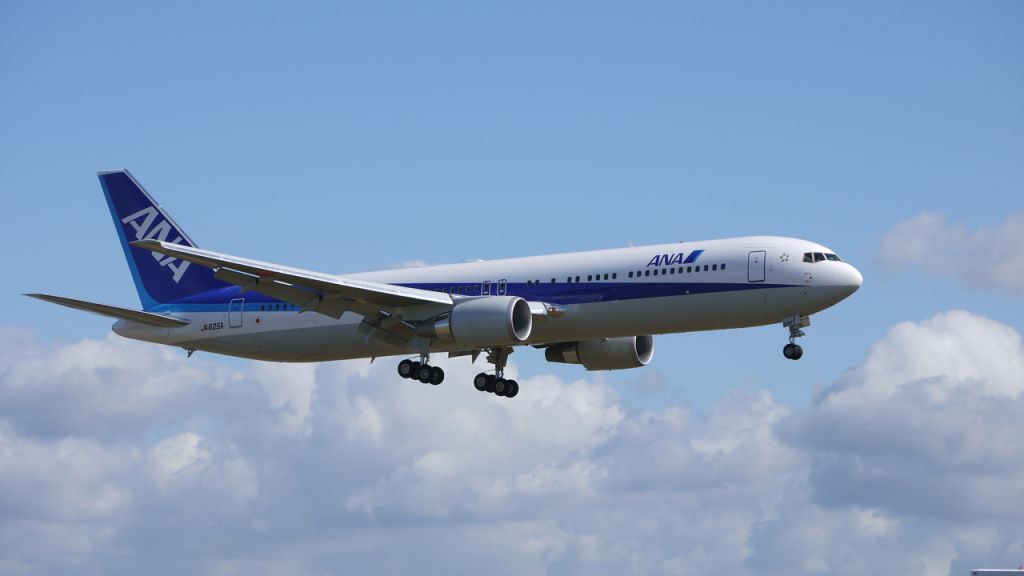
x=159, y=279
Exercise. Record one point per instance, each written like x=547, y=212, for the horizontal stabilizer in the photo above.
x=114, y=311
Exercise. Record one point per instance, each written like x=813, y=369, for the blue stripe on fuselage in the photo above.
x=558, y=293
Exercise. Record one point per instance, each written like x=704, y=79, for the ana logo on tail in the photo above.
x=154, y=228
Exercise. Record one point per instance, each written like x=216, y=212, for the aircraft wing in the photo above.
x=114, y=311
x=313, y=291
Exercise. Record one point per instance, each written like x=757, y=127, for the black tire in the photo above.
x=406, y=369
x=789, y=351
x=480, y=382
x=491, y=378
x=423, y=374
x=798, y=353
x=500, y=386
x=436, y=375
x=513, y=388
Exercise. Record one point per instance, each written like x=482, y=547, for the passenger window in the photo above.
x=705, y=267
x=589, y=278
x=818, y=256
x=577, y=278
x=696, y=268
x=552, y=280
x=647, y=272
x=630, y=273
x=689, y=269
x=605, y=276
x=714, y=266
x=808, y=257
x=615, y=275
x=723, y=266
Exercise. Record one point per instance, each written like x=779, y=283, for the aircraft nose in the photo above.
x=852, y=279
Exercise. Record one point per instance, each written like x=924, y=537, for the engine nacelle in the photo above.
x=607, y=354
x=484, y=322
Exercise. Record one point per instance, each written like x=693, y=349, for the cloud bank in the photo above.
x=987, y=257
x=120, y=458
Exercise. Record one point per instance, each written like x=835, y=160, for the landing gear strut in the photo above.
x=421, y=371
x=793, y=351
x=496, y=383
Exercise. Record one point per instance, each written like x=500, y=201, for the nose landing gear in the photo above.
x=793, y=351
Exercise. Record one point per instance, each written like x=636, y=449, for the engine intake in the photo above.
x=489, y=321
x=607, y=354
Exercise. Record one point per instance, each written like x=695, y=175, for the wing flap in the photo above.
x=307, y=300
x=114, y=311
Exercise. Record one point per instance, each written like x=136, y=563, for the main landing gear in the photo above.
x=793, y=351
x=421, y=371
x=496, y=383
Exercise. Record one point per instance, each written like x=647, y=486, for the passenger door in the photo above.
x=755, y=266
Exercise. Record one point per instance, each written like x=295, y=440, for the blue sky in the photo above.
x=348, y=137
x=344, y=138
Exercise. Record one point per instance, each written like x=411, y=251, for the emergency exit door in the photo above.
x=235, y=313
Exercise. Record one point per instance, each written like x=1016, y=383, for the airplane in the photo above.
x=599, y=309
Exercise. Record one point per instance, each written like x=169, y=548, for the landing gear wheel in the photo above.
x=512, y=388
x=792, y=351
x=423, y=374
x=496, y=383
x=436, y=375
x=406, y=368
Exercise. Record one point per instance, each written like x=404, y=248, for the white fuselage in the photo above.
x=732, y=283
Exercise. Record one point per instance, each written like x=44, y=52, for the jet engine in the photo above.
x=484, y=322
x=605, y=354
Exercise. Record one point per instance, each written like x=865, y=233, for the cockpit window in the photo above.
x=821, y=257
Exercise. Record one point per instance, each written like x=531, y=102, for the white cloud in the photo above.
x=910, y=461
x=177, y=457
x=987, y=257
x=292, y=390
